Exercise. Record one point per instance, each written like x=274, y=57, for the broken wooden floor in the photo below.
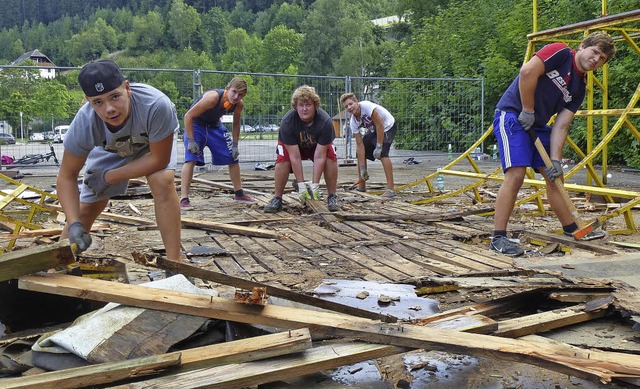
x=391, y=242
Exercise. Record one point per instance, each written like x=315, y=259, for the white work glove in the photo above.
x=315, y=190
x=235, y=153
x=378, y=151
x=303, y=193
x=527, y=119
x=554, y=171
x=193, y=147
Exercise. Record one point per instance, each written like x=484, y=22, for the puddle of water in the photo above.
x=404, y=304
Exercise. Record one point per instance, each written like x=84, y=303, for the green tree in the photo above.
x=329, y=27
x=280, y=49
x=184, y=21
x=242, y=17
x=10, y=45
x=93, y=42
x=146, y=34
x=242, y=52
x=213, y=32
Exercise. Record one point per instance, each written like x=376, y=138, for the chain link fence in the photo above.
x=431, y=112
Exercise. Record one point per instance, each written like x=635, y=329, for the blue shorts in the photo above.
x=514, y=143
x=217, y=139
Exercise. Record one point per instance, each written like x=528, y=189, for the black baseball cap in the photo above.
x=101, y=76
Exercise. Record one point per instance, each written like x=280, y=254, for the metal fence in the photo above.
x=431, y=112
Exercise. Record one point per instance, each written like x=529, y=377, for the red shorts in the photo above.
x=305, y=153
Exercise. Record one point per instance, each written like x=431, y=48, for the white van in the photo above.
x=59, y=133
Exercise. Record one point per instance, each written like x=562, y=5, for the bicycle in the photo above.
x=32, y=159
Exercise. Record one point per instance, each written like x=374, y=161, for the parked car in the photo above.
x=247, y=128
x=266, y=127
x=59, y=133
x=36, y=137
x=48, y=135
x=7, y=139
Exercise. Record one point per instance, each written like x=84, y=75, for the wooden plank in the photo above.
x=421, y=217
x=242, y=256
x=115, y=217
x=34, y=259
x=570, y=241
x=579, y=296
x=437, y=267
x=376, y=271
x=194, y=271
x=249, y=349
x=398, y=271
x=244, y=350
x=228, y=228
x=312, y=230
x=449, y=255
x=225, y=186
x=477, y=254
x=547, y=321
x=89, y=376
x=396, y=261
x=477, y=324
x=334, y=324
x=499, y=306
x=252, y=374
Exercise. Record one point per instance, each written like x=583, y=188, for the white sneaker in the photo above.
x=389, y=193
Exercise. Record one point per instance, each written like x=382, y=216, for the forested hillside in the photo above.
x=437, y=38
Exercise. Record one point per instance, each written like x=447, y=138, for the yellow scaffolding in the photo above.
x=19, y=219
x=621, y=27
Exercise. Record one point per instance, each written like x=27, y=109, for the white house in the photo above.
x=48, y=68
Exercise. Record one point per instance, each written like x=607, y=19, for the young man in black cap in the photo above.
x=125, y=130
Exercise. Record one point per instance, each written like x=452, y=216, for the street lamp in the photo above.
x=21, y=128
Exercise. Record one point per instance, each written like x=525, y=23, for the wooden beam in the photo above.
x=34, y=259
x=546, y=321
x=221, y=278
x=114, y=216
x=244, y=350
x=331, y=324
x=225, y=186
x=89, y=376
x=230, y=228
x=423, y=217
x=251, y=374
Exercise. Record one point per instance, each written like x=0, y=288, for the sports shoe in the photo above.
x=274, y=205
x=388, y=194
x=244, y=199
x=502, y=244
x=590, y=236
x=332, y=203
x=185, y=204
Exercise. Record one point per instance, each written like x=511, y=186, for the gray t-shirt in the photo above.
x=153, y=118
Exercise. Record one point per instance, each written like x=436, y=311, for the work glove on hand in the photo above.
x=94, y=179
x=235, y=153
x=315, y=190
x=554, y=171
x=303, y=193
x=527, y=119
x=363, y=173
x=378, y=151
x=193, y=147
x=79, y=237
